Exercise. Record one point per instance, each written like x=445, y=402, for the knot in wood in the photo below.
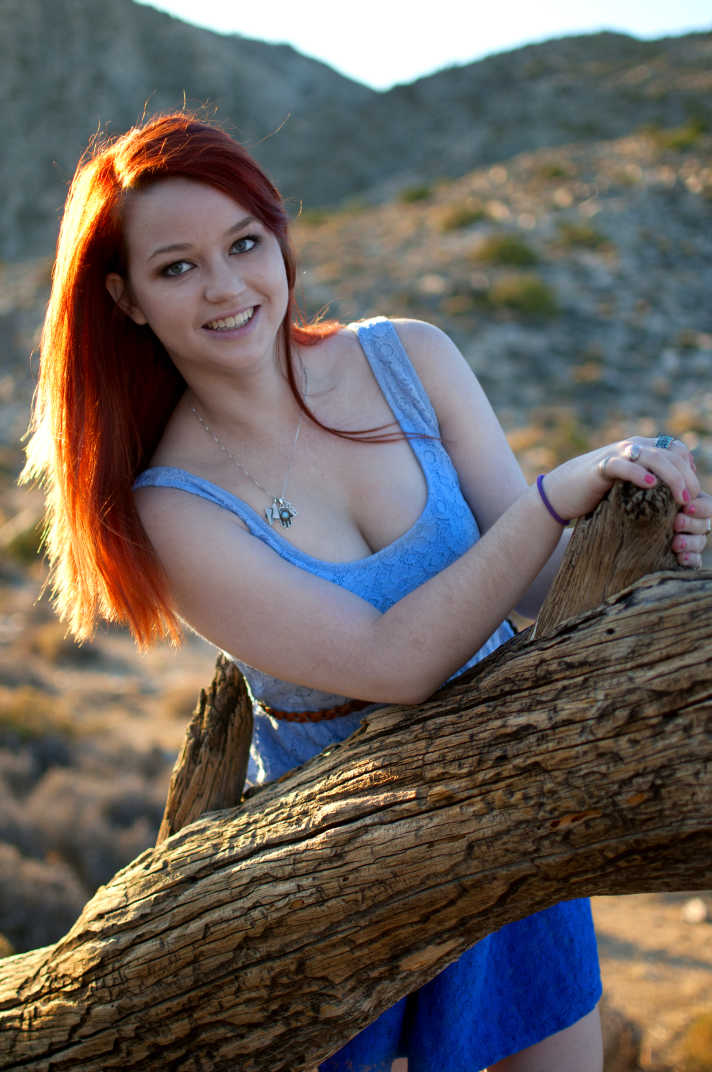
x=645, y=504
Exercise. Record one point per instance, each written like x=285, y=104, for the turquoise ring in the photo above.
x=664, y=441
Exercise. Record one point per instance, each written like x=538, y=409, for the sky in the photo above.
x=384, y=42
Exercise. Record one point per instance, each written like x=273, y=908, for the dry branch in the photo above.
x=210, y=771
x=628, y=536
x=264, y=937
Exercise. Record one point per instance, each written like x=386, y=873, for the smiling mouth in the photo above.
x=231, y=322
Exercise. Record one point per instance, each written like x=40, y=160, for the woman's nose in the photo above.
x=223, y=280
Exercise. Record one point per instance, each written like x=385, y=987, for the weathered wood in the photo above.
x=628, y=535
x=209, y=773
x=265, y=936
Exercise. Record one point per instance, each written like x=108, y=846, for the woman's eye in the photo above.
x=244, y=245
x=177, y=268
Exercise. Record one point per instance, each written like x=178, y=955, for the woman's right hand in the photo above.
x=577, y=486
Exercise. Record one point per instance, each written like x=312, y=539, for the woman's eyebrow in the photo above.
x=181, y=246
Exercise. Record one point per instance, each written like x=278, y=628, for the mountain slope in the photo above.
x=70, y=66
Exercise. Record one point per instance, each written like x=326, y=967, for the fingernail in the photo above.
x=686, y=495
x=682, y=541
x=692, y=463
x=649, y=479
x=690, y=509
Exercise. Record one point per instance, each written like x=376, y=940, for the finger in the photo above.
x=700, y=507
x=666, y=464
x=615, y=467
x=684, y=522
x=682, y=544
x=680, y=455
x=690, y=560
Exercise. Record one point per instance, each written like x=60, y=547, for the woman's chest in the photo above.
x=354, y=498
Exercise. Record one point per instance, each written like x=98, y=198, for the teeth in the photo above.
x=231, y=321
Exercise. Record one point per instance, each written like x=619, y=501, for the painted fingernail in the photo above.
x=686, y=495
x=682, y=541
x=690, y=509
x=650, y=479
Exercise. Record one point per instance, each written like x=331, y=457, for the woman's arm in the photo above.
x=489, y=473
x=243, y=597
x=240, y=595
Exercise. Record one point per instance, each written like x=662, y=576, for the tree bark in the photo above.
x=264, y=937
x=628, y=535
x=210, y=771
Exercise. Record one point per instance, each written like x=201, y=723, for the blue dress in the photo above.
x=525, y=981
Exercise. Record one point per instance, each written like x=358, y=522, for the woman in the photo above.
x=184, y=424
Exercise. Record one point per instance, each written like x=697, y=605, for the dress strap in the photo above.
x=397, y=377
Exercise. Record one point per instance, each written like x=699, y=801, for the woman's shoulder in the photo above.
x=442, y=369
x=414, y=332
x=420, y=339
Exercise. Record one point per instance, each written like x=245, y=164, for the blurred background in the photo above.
x=538, y=183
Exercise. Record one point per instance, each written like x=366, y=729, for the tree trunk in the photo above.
x=265, y=936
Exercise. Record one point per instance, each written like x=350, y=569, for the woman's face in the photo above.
x=204, y=274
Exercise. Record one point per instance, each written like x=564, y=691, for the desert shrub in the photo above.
x=505, y=249
x=565, y=433
x=461, y=303
x=97, y=825
x=549, y=170
x=25, y=547
x=51, y=641
x=678, y=139
x=179, y=702
x=462, y=214
x=28, y=713
x=39, y=899
x=10, y=461
x=412, y=194
x=313, y=216
x=523, y=293
x=697, y=1045
x=580, y=235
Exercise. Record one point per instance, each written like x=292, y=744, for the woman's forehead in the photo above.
x=179, y=208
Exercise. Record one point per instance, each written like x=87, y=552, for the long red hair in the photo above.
x=107, y=387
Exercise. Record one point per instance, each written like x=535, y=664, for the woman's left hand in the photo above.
x=692, y=527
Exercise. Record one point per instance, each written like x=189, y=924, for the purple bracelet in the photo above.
x=547, y=504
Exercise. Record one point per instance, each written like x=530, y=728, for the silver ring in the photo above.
x=709, y=525
x=602, y=465
x=664, y=441
x=632, y=451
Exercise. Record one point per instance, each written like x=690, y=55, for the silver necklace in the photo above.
x=280, y=509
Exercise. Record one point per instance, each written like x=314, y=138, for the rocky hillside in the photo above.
x=575, y=279
x=70, y=66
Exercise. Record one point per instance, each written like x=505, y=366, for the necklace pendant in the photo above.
x=280, y=509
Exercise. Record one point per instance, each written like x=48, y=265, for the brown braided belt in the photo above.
x=317, y=716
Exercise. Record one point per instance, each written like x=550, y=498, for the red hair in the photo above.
x=107, y=387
